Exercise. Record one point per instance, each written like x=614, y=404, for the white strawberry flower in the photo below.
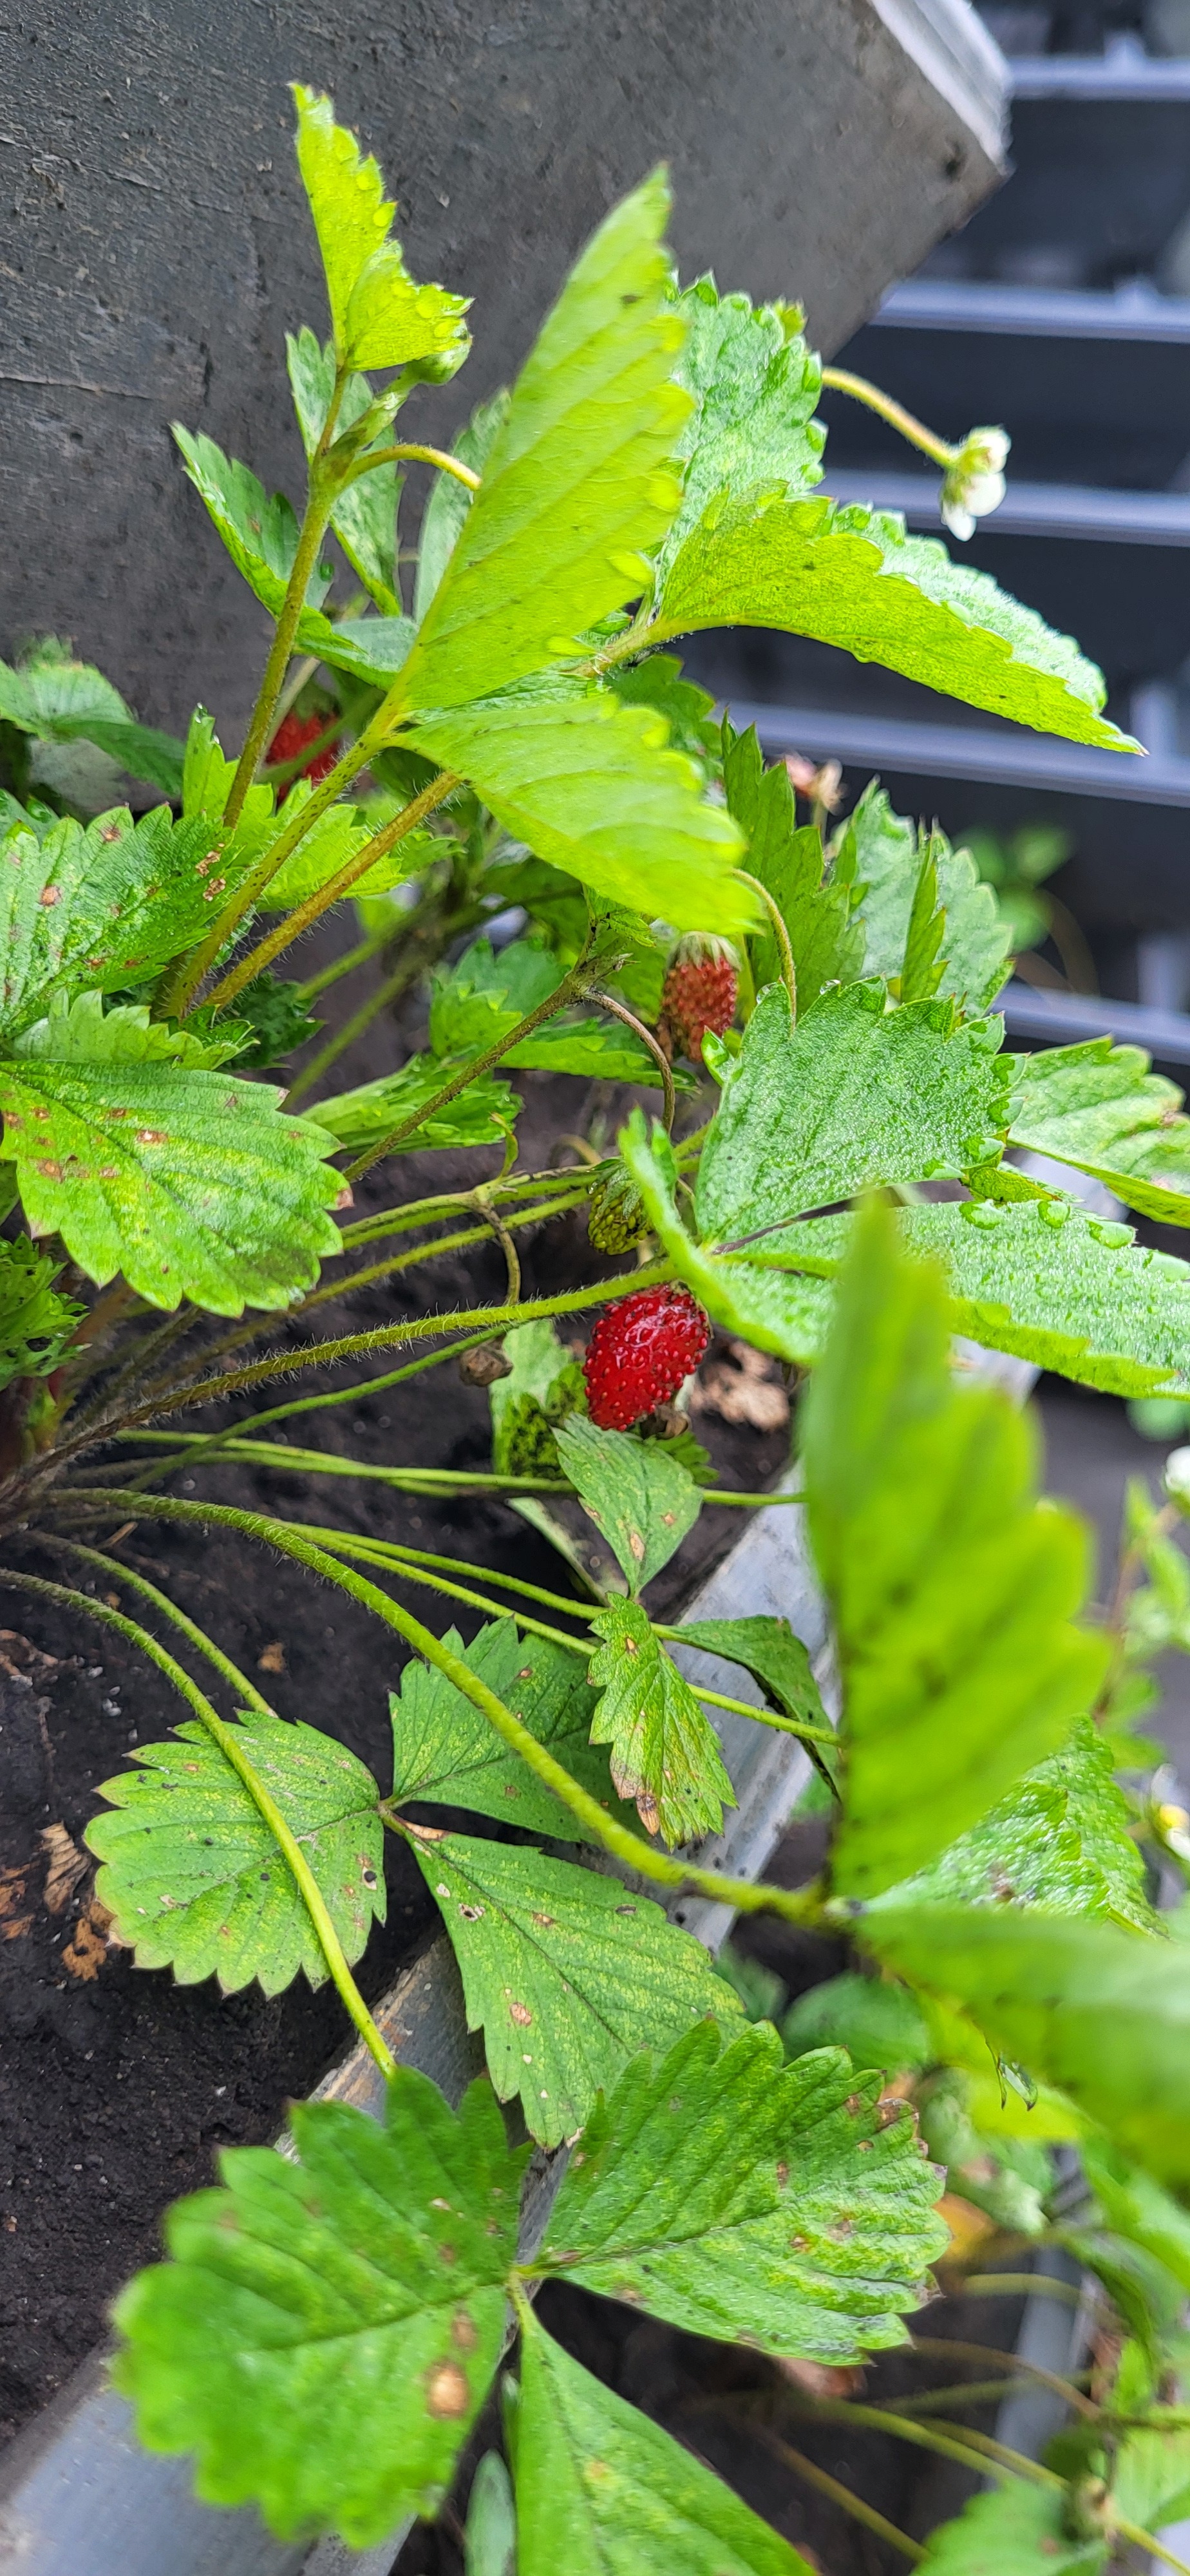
x=973, y=484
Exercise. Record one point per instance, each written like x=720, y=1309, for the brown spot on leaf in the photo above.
x=462, y=2331
x=151, y=1136
x=447, y=2392
x=112, y=832
x=854, y=2103
x=49, y=1171
x=545, y=1922
x=49, y=896
x=472, y=1913
x=636, y=1547
x=521, y=2015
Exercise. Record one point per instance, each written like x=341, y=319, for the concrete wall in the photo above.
x=155, y=246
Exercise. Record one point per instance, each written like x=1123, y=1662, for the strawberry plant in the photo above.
x=515, y=733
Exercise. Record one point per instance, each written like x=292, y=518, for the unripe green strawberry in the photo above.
x=616, y=1216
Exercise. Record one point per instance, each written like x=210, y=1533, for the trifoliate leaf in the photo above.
x=1102, y=2014
x=665, y=1752
x=879, y=852
x=566, y=1973
x=576, y=490
x=37, y=1323
x=739, y=2197
x=752, y=431
x=602, y=2491
x=1059, y=1839
x=480, y=1115
x=190, y=1182
x=261, y=537
x=326, y=2331
x=586, y=782
x=364, y=517
x=106, y=904
x=880, y=2025
x=952, y=1590
x=850, y=576
x=380, y=316
x=337, y=836
x=1098, y=1107
x=1039, y=1279
x=827, y=945
x=59, y=700
x=640, y=1499
x=1014, y=2530
x=775, y=1309
x=446, y=1754
x=768, y=1649
x=193, y=1874
x=546, y=1384
x=688, y=710
x=853, y=1095
x=450, y=499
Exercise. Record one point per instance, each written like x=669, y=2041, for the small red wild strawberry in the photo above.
x=699, y=993
x=639, y=1353
x=291, y=737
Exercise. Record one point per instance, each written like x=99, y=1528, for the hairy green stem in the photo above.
x=946, y=2347
x=780, y=934
x=415, y=455
x=326, y=896
x=1012, y=2285
x=797, y=1905
x=950, y=2441
x=840, y=380
x=620, y=1010
x=314, y=525
x=228, y=1739
x=572, y=983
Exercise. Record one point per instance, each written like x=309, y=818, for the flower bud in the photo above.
x=973, y=484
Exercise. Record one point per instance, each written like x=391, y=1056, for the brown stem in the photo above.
x=608, y=1002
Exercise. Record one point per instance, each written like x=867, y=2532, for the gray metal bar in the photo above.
x=1082, y=511
x=1062, y=1019
x=1122, y=75
x=1009, y=756
x=1135, y=311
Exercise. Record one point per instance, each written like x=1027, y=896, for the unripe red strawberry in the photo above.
x=639, y=1353
x=291, y=737
x=699, y=992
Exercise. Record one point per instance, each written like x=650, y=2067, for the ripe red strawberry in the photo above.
x=698, y=993
x=639, y=1353
x=291, y=737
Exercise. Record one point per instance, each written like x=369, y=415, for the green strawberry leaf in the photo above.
x=576, y=491
x=1102, y=2014
x=380, y=316
x=1037, y=1278
x=879, y=2024
x=827, y=945
x=261, y=537
x=1098, y=1108
x=768, y=1649
x=1137, y=2207
x=192, y=1873
x=566, y=1972
x=481, y=1115
x=657, y=683
x=337, y=836
x=60, y=700
x=855, y=1094
x=326, y=2330
x=450, y=499
x=665, y=1752
x=602, y=2491
x=752, y=431
x=106, y=904
x=446, y=1754
x=37, y=1323
x=878, y=852
x=364, y=517
x=584, y=780
x=850, y=576
x=188, y=1181
x=1151, y=2482
x=641, y=1500
x=475, y=1001
x=1059, y=1839
x=742, y=2198
x=952, y=1590
x=1013, y=2530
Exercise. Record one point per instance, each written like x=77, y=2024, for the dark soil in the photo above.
x=119, y=2087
